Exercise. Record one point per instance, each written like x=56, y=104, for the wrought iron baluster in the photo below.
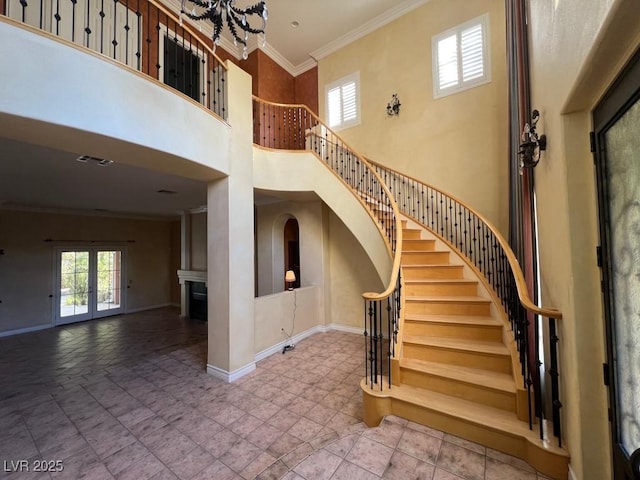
x=56, y=16
x=554, y=372
x=114, y=41
x=87, y=28
x=73, y=20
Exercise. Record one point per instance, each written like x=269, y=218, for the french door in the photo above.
x=617, y=140
x=90, y=284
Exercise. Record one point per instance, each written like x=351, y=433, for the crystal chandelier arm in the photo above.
x=237, y=15
x=231, y=23
x=237, y=19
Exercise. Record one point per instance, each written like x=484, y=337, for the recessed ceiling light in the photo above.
x=166, y=192
x=295, y=24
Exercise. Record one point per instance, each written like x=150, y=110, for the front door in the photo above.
x=90, y=284
x=617, y=135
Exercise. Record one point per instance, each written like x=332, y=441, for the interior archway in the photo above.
x=291, y=244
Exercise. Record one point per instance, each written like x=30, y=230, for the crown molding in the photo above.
x=366, y=28
x=19, y=207
x=333, y=46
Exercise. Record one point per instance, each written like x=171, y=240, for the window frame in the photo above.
x=461, y=85
x=341, y=82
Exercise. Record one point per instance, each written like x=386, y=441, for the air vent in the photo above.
x=167, y=192
x=101, y=162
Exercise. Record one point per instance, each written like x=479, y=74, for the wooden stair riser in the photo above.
x=487, y=333
x=463, y=358
x=540, y=456
x=417, y=245
x=462, y=307
x=468, y=391
x=440, y=288
x=425, y=258
x=411, y=234
x=436, y=272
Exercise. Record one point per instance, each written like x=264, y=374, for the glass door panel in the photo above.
x=623, y=179
x=90, y=284
x=616, y=122
x=109, y=281
x=74, y=286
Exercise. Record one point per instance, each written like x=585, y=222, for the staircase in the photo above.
x=451, y=331
x=456, y=368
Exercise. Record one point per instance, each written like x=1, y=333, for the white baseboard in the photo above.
x=277, y=348
x=295, y=339
x=230, y=377
x=345, y=328
x=18, y=331
x=572, y=475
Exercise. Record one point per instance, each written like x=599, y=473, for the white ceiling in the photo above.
x=324, y=26
x=37, y=177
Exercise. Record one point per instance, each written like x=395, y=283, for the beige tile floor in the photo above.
x=128, y=398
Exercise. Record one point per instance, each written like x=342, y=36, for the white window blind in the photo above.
x=343, y=102
x=460, y=58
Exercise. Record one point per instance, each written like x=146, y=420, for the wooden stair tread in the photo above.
x=432, y=265
x=455, y=319
x=484, y=378
x=419, y=281
x=479, y=346
x=451, y=299
x=411, y=251
x=490, y=418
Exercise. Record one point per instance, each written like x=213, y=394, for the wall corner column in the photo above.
x=230, y=243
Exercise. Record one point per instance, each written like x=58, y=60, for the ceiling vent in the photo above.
x=101, y=162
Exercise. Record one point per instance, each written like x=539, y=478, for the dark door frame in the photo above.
x=624, y=92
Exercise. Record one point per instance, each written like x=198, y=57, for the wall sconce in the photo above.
x=393, y=107
x=290, y=278
x=532, y=144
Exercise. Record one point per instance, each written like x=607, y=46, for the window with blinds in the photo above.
x=343, y=102
x=460, y=57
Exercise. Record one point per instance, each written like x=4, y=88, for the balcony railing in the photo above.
x=142, y=34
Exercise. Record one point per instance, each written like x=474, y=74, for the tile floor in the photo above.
x=128, y=398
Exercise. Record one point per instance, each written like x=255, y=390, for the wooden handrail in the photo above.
x=395, y=269
x=523, y=293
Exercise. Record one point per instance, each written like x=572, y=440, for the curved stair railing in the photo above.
x=296, y=127
x=473, y=236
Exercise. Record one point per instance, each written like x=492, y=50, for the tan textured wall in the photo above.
x=351, y=274
x=175, y=263
x=457, y=143
x=27, y=268
x=574, y=60
x=306, y=89
x=295, y=312
x=270, y=247
x=199, y=242
x=273, y=83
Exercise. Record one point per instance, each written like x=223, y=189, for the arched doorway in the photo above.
x=292, y=250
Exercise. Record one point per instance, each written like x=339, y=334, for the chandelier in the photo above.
x=238, y=20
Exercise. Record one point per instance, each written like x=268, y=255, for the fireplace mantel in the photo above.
x=192, y=276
